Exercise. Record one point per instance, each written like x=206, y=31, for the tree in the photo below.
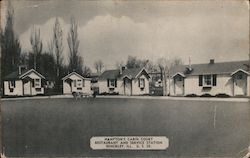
x=47, y=67
x=58, y=45
x=24, y=58
x=176, y=61
x=10, y=46
x=86, y=71
x=165, y=67
x=133, y=62
x=37, y=47
x=75, y=61
x=98, y=66
x=151, y=67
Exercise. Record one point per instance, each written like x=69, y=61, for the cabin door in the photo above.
x=240, y=84
x=127, y=86
x=27, y=88
x=179, y=86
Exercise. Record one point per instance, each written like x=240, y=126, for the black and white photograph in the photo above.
x=125, y=78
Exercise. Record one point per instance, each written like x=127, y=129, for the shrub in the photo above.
x=206, y=95
x=222, y=95
x=114, y=93
x=40, y=95
x=191, y=95
x=106, y=93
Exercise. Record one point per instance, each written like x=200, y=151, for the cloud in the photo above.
x=112, y=38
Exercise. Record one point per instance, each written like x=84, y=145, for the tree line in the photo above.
x=51, y=62
x=47, y=62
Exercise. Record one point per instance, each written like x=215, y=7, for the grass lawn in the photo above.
x=63, y=127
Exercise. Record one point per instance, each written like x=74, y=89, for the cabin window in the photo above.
x=12, y=84
x=37, y=82
x=112, y=83
x=207, y=80
x=79, y=83
x=141, y=82
x=74, y=83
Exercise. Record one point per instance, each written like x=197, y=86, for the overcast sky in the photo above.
x=112, y=30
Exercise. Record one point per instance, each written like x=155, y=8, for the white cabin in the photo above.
x=134, y=81
x=27, y=83
x=230, y=78
x=74, y=82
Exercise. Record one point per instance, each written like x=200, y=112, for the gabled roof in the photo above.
x=114, y=74
x=29, y=71
x=178, y=73
x=15, y=75
x=109, y=74
x=12, y=76
x=216, y=68
x=131, y=73
x=73, y=73
x=239, y=70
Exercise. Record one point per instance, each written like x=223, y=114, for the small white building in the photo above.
x=124, y=81
x=231, y=78
x=74, y=82
x=28, y=82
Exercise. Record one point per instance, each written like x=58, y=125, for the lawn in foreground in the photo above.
x=63, y=127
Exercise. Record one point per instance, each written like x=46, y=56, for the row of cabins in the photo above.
x=231, y=78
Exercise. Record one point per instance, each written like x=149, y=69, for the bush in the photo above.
x=206, y=95
x=222, y=95
x=40, y=95
x=114, y=93
x=191, y=95
x=106, y=93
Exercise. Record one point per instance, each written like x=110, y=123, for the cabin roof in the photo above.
x=209, y=68
x=15, y=75
x=114, y=74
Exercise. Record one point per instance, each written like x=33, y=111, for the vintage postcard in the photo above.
x=125, y=78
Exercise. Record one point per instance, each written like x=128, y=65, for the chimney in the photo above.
x=21, y=68
x=122, y=68
x=211, y=61
x=189, y=63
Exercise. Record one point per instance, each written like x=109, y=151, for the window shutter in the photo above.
x=214, y=80
x=138, y=82
x=83, y=83
x=74, y=83
x=108, y=82
x=14, y=84
x=9, y=84
x=143, y=82
x=115, y=82
x=200, y=80
x=33, y=83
